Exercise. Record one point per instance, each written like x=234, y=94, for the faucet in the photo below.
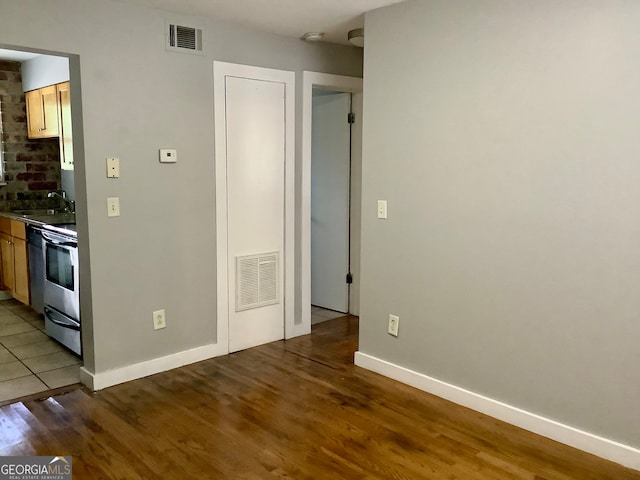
x=68, y=205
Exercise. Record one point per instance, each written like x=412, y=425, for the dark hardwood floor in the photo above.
x=292, y=410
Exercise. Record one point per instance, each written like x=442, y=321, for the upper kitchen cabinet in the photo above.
x=42, y=112
x=66, y=135
x=49, y=115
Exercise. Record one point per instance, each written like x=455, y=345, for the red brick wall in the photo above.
x=32, y=167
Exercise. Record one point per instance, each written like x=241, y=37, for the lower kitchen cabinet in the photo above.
x=8, y=262
x=15, y=263
x=21, y=271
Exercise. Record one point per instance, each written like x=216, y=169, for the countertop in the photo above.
x=58, y=222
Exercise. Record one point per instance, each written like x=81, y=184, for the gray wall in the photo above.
x=43, y=71
x=137, y=98
x=505, y=137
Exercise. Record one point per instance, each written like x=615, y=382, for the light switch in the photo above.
x=113, y=168
x=382, y=209
x=113, y=207
x=168, y=156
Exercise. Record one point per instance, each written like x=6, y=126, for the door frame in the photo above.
x=338, y=83
x=221, y=70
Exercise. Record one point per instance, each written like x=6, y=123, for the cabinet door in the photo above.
x=50, y=109
x=66, y=136
x=21, y=271
x=6, y=251
x=42, y=112
x=35, y=113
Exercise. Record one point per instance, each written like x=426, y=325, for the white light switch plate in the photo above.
x=113, y=207
x=113, y=168
x=382, y=209
x=168, y=155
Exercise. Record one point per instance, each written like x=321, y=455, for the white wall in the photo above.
x=43, y=71
x=137, y=98
x=504, y=136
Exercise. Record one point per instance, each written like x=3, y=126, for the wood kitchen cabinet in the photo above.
x=15, y=263
x=42, y=112
x=49, y=115
x=66, y=137
x=8, y=262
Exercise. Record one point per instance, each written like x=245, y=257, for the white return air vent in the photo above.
x=182, y=38
x=257, y=282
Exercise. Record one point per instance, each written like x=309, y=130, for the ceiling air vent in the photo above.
x=181, y=38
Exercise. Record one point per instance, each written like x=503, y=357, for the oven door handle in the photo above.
x=57, y=242
x=51, y=315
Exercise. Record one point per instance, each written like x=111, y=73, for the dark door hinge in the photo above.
x=349, y=278
x=351, y=118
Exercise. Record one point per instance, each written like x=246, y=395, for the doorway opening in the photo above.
x=330, y=203
x=43, y=343
x=331, y=185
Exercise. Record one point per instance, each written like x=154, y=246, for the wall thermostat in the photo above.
x=168, y=156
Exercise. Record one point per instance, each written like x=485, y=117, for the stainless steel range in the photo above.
x=61, y=292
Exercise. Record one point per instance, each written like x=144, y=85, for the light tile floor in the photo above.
x=30, y=362
x=319, y=314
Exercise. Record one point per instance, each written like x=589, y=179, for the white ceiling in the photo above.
x=16, y=56
x=291, y=18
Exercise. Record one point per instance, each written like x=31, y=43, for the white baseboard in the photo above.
x=100, y=380
x=588, y=442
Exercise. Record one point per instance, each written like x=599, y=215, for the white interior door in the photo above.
x=255, y=147
x=330, y=186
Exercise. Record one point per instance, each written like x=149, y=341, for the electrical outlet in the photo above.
x=159, y=320
x=394, y=323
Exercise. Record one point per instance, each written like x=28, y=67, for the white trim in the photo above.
x=588, y=442
x=222, y=278
x=98, y=381
x=289, y=78
x=220, y=71
x=310, y=80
